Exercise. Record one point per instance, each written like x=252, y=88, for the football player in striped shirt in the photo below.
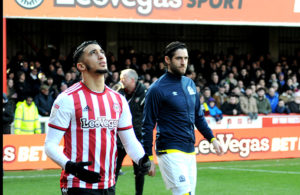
x=89, y=115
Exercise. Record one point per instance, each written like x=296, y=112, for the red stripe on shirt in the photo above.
x=92, y=134
x=57, y=127
x=79, y=134
x=113, y=144
x=103, y=143
x=125, y=128
x=67, y=152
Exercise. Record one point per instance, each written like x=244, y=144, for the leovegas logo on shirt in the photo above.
x=99, y=122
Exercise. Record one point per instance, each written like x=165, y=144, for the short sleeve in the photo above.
x=61, y=112
x=125, y=121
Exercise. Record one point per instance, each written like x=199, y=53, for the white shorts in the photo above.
x=178, y=171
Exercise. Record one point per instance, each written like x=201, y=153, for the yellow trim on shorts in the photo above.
x=150, y=157
x=168, y=151
x=212, y=139
x=187, y=193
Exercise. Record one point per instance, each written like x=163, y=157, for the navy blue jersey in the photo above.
x=172, y=103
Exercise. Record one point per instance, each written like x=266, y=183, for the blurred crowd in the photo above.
x=228, y=84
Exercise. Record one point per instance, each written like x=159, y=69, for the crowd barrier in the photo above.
x=268, y=137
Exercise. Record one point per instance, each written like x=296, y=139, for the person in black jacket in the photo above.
x=232, y=107
x=294, y=106
x=7, y=116
x=44, y=101
x=135, y=92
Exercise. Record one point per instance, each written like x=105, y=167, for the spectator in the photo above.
x=295, y=81
x=25, y=68
x=161, y=69
x=223, y=72
x=244, y=77
x=44, y=101
x=230, y=80
x=59, y=77
x=286, y=96
x=248, y=104
x=27, y=118
x=220, y=96
x=273, y=79
x=281, y=81
x=34, y=82
x=282, y=108
x=75, y=76
x=7, y=115
x=232, y=106
x=51, y=71
x=68, y=79
x=262, y=83
x=206, y=94
x=237, y=91
x=214, y=84
x=294, y=106
x=263, y=104
x=273, y=98
x=134, y=64
x=11, y=93
x=214, y=111
x=288, y=85
x=241, y=86
x=63, y=86
x=112, y=68
x=115, y=78
x=204, y=106
x=23, y=89
x=53, y=90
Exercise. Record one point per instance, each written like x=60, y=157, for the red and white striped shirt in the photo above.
x=90, y=121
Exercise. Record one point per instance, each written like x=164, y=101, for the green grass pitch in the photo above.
x=237, y=177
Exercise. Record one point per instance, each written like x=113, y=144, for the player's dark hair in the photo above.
x=79, y=50
x=172, y=47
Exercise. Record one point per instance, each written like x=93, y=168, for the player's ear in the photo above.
x=167, y=60
x=81, y=66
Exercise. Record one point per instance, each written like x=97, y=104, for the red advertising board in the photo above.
x=253, y=12
x=278, y=137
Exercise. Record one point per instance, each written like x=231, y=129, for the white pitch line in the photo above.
x=260, y=165
x=29, y=176
x=253, y=170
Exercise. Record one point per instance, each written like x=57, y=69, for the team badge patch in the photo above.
x=116, y=107
x=56, y=106
x=54, y=110
x=181, y=178
x=191, y=90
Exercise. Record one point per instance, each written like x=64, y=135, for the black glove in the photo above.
x=81, y=173
x=144, y=165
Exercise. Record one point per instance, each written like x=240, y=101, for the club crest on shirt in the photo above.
x=101, y=122
x=191, y=90
x=54, y=110
x=116, y=107
x=181, y=178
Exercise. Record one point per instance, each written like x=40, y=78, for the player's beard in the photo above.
x=176, y=71
x=97, y=71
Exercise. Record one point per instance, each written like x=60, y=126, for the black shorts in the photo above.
x=83, y=191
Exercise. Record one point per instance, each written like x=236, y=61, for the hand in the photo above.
x=218, y=148
x=152, y=170
x=144, y=164
x=234, y=112
x=78, y=170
